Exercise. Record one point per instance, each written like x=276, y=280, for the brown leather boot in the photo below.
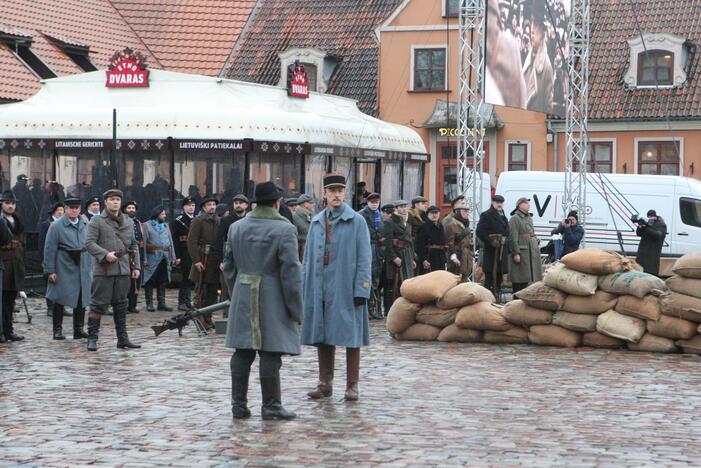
x=352, y=373
x=327, y=358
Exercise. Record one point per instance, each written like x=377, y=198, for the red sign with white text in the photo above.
x=297, y=82
x=127, y=69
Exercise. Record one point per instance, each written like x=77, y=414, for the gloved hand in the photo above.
x=359, y=301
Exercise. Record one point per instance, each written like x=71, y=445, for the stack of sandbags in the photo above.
x=681, y=306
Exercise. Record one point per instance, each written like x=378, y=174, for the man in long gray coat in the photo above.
x=262, y=271
x=337, y=280
x=111, y=241
x=69, y=268
x=524, y=248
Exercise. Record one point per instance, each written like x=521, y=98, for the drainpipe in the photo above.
x=555, y=145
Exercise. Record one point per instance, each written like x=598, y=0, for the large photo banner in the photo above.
x=527, y=48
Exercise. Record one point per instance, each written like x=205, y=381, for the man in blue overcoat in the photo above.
x=69, y=269
x=337, y=275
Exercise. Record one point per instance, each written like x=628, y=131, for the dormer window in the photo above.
x=318, y=64
x=657, y=60
x=20, y=45
x=655, y=68
x=78, y=53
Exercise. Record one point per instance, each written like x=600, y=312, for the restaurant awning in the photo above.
x=184, y=106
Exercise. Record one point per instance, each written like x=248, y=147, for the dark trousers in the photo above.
x=489, y=281
x=8, y=309
x=185, y=290
x=518, y=286
x=133, y=295
x=242, y=359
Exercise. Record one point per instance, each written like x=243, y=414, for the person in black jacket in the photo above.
x=180, y=228
x=240, y=204
x=373, y=218
x=571, y=232
x=431, y=243
x=492, y=231
x=5, y=238
x=652, y=234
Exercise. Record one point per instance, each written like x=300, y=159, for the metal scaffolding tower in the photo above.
x=577, y=110
x=471, y=43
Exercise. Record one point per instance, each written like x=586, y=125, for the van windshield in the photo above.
x=690, y=209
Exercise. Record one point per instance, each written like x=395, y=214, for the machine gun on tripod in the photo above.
x=180, y=321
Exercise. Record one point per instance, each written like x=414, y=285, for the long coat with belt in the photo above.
x=159, y=246
x=650, y=247
x=394, y=229
x=330, y=315
x=523, y=241
x=72, y=281
x=13, y=257
x=105, y=235
x=493, y=223
x=459, y=238
x=203, y=231
x=429, y=239
x=263, y=274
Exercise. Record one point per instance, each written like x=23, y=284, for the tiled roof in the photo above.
x=16, y=82
x=192, y=36
x=612, y=24
x=343, y=28
x=93, y=23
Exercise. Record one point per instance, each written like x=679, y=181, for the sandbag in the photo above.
x=671, y=327
x=453, y=333
x=540, y=296
x=654, y=344
x=520, y=313
x=681, y=306
x=552, y=335
x=575, y=322
x=482, y=316
x=599, y=340
x=401, y=315
x=621, y=326
x=465, y=294
x=514, y=335
x=432, y=315
x=635, y=283
x=570, y=281
x=597, y=304
x=597, y=262
x=647, y=308
x=688, y=266
x=428, y=288
x=419, y=332
x=692, y=346
x=688, y=286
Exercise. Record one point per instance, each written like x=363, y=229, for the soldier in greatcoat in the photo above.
x=180, y=228
x=493, y=231
x=160, y=258
x=417, y=215
x=110, y=240
x=399, y=251
x=459, y=238
x=201, y=247
x=130, y=208
x=262, y=270
x=431, y=243
x=240, y=204
x=68, y=267
x=337, y=281
x=524, y=248
x=373, y=217
x=12, y=265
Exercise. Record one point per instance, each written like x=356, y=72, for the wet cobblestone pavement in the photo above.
x=421, y=405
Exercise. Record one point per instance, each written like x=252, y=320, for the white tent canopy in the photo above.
x=184, y=106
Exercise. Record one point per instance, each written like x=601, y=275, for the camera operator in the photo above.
x=652, y=233
x=572, y=233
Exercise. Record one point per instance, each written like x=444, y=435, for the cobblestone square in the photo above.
x=421, y=405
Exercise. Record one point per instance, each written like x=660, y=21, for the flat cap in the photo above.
x=241, y=197
x=400, y=203
x=112, y=193
x=304, y=198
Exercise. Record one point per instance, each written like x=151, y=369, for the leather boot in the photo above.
x=161, y=296
x=57, y=318
x=93, y=332
x=239, y=393
x=272, y=400
x=352, y=373
x=78, y=322
x=148, y=292
x=120, y=325
x=327, y=358
x=388, y=300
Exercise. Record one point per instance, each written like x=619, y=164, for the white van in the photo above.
x=611, y=200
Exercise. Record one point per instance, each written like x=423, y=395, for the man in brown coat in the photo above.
x=205, y=266
x=459, y=237
x=12, y=253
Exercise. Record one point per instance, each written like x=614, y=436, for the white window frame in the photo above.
x=517, y=142
x=657, y=41
x=444, y=10
x=614, y=155
x=411, y=61
x=638, y=140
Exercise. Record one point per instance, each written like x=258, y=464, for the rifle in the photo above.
x=181, y=320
